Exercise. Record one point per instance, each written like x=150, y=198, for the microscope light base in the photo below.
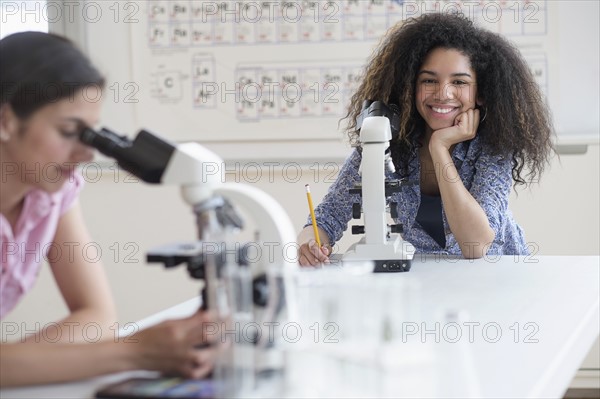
x=395, y=255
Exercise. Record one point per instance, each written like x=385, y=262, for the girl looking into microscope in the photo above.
x=49, y=94
x=472, y=123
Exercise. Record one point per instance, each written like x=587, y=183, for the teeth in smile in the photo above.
x=442, y=110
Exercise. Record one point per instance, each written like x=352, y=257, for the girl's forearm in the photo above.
x=31, y=363
x=467, y=220
x=82, y=326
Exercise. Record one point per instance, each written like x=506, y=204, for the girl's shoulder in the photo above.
x=69, y=193
x=476, y=148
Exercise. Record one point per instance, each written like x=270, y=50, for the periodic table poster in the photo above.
x=285, y=70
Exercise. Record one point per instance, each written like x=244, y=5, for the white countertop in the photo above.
x=554, y=300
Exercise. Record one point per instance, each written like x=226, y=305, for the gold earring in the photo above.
x=484, y=114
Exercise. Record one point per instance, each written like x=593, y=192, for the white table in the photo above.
x=558, y=296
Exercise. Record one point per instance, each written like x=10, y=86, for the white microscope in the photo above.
x=242, y=288
x=382, y=243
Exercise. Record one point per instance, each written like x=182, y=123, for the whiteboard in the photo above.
x=283, y=71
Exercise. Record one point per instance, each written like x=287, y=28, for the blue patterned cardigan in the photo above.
x=487, y=177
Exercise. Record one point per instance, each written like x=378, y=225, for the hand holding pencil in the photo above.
x=311, y=208
x=312, y=251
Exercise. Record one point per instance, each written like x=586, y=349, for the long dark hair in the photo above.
x=37, y=69
x=518, y=122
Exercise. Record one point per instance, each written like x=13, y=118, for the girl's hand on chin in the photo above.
x=464, y=128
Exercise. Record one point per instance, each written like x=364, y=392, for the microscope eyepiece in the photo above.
x=146, y=157
x=105, y=141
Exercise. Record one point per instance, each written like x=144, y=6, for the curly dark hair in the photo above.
x=518, y=122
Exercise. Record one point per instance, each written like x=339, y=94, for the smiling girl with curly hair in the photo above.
x=472, y=122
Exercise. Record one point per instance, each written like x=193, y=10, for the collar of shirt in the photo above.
x=37, y=205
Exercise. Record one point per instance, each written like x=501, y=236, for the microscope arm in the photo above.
x=199, y=171
x=277, y=235
x=375, y=135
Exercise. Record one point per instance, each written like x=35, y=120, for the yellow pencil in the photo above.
x=312, y=215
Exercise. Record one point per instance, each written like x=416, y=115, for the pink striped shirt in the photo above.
x=22, y=251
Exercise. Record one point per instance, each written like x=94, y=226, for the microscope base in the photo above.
x=393, y=256
x=392, y=265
